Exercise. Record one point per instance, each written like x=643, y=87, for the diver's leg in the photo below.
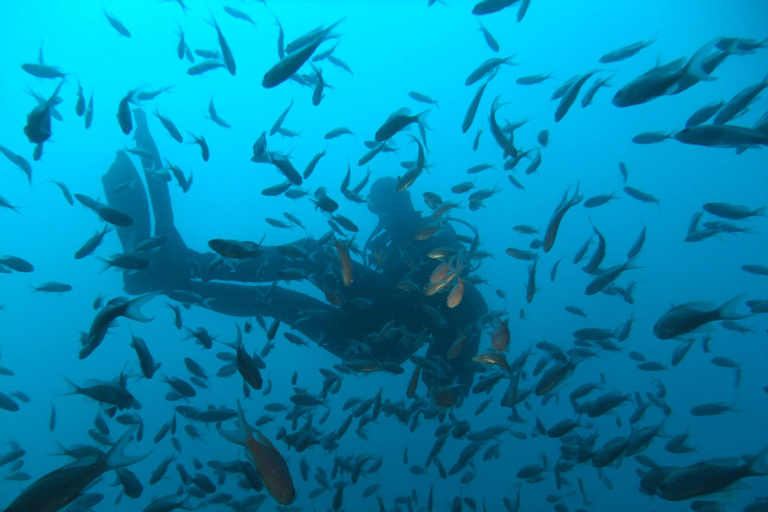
x=158, y=188
x=326, y=325
x=125, y=191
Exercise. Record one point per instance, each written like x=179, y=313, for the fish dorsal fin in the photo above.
x=405, y=111
x=697, y=305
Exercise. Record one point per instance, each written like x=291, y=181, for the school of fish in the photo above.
x=594, y=424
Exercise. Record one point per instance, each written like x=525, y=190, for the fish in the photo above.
x=346, y=263
x=290, y=64
x=490, y=6
x=488, y=67
x=200, y=141
x=16, y=263
x=595, y=201
x=608, y=276
x=268, y=462
x=114, y=216
x=89, y=113
x=52, y=287
x=489, y=39
x=651, y=137
x=423, y=98
x=704, y=114
x=707, y=477
x=557, y=217
x=43, y=71
x=760, y=270
x=683, y=319
x=214, y=116
x=170, y=127
x=534, y=79
x=235, y=249
x=226, y=51
x=5, y=204
x=663, y=80
x=38, y=127
x=469, y=116
x=733, y=212
x=317, y=94
x=124, y=118
x=19, y=161
x=117, y=25
x=64, y=190
x=739, y=102
x=115, y=308
x=337, y=132
x=62, y=486
x=590, y=94
x=399, y=120
x=91, y=244
x=570, y=95
x=204, y=67
x=150, y=95
x=238, y=14
x=504, y=143
x=644, y=197
x=279, y=121
x=626, y=52
x=722, y=136
x=146, y=361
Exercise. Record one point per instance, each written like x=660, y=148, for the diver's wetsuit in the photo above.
x=339, y=328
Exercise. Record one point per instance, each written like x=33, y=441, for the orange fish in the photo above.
x=456, y=294
x=490, y=357
x=500, y=335
x=346, y=263
x=426, y=232
x=439, y=273
x=265, y=458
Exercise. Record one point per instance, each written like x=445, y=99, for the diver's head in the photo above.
x=390, y=205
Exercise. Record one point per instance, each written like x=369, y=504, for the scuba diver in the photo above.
x=373, y=318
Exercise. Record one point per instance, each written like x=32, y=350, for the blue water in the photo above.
x=392, y=47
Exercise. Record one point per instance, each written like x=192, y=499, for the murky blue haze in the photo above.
x=392, y=48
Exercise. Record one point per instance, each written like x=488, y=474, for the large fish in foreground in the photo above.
x=62, y=486
x=722, y=136
x=268, y=462
x=104, y=318
x=666, y=79
x=688, y=317
x=706, y=477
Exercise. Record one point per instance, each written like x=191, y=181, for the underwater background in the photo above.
x=392, y=48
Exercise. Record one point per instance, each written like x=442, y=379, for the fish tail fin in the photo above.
x=116, y=458
x=694, y=66
x=75, y=388
x=758, y=465
x=422, y=119
x=761, y=211
x=133, y=311
x=728, y=310
x=240, y=436
x=107, y=265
